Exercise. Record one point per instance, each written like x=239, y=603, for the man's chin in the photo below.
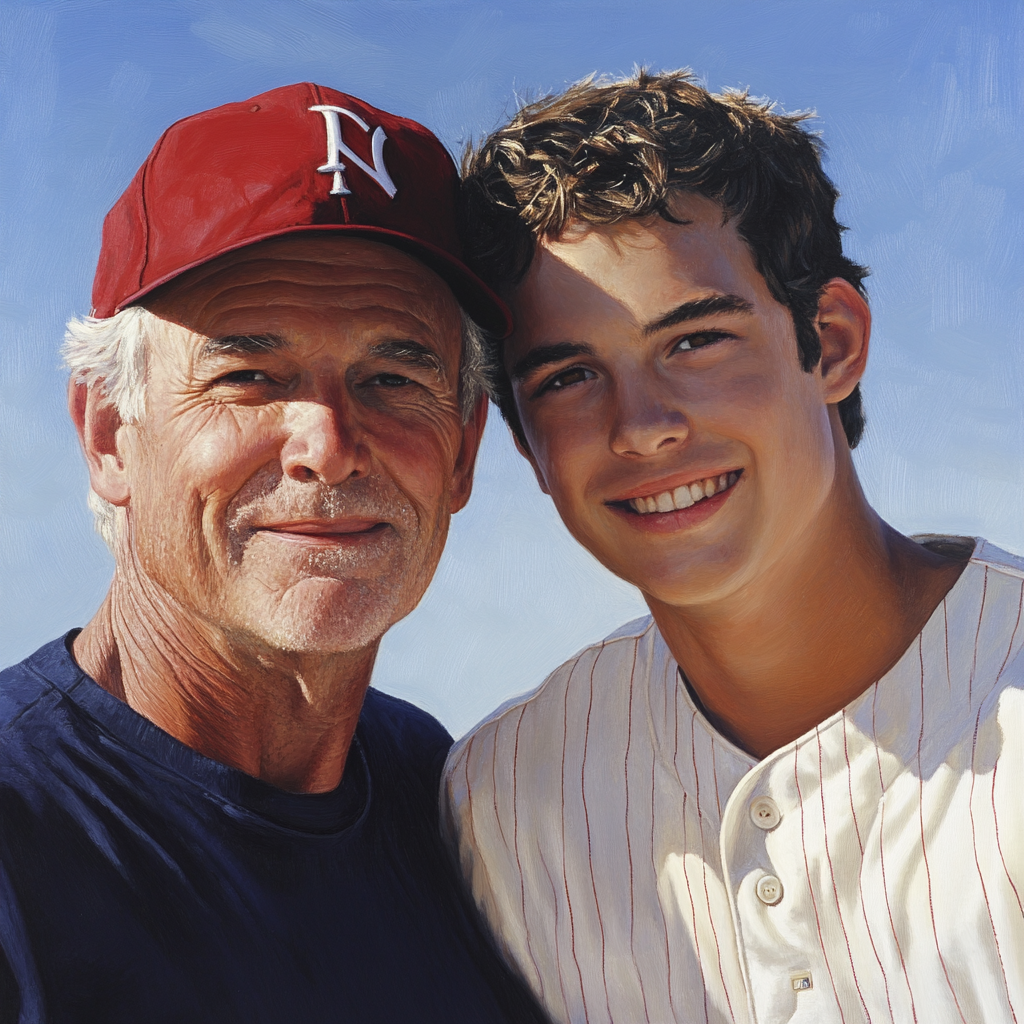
x=325, y=617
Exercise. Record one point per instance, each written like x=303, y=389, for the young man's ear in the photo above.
x=844, y=327
x=528, y=455
x=97, y=422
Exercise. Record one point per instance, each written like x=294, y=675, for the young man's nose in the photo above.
x=323, y=443
x=647, y=422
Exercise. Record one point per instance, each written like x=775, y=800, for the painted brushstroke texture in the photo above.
x=919, y=105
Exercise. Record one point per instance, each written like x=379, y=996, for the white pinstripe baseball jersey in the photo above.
x=638, y=866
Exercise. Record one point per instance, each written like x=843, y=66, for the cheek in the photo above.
x=419, y=456
x=205, y=456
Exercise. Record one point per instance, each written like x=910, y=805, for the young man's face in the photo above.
x=653, y=370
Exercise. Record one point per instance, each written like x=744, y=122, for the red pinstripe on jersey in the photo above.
x=832, y=876
x=881, y=850
x=981, y=874
x=995, y=815
x=555, y=902
x=515, y=836
x=810, y=884
x=977, y=634
x=565, y=876
x=920, y=812
x=629, y=844
x=693, y=916
x=654, y=865
x=860, y=875
x=704, y=867
x=686, y=875
x=590, y=845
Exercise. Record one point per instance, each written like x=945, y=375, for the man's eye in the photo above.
x=390, y=380
x=245, y=377
x=699, y=340
x=566, y=379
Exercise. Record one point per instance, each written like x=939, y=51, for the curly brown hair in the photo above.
x=604, y=151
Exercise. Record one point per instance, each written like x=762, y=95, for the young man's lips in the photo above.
x=664, y=507
x=682, y=489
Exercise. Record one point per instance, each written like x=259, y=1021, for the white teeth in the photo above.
x=681, y=496
x=685, y=495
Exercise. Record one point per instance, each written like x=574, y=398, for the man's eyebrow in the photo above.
x=697, y=309
x=242, y=344
x=411, y=353
x=544, y=354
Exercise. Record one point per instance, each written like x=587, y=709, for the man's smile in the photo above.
x=324, y=532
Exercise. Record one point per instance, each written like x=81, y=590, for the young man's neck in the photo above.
x=283, y=718
x=784, y=653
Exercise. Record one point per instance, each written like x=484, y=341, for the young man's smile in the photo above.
x=667, y=506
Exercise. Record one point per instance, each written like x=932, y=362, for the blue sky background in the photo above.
x=920, y=105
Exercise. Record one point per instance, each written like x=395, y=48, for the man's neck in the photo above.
x=282, y=717
x=785, y=652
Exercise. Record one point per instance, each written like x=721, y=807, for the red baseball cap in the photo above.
x=299, y=158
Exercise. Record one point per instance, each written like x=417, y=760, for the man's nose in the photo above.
x=323, y=443
x=648, y=421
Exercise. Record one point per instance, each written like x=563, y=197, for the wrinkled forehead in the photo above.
x=328, y=279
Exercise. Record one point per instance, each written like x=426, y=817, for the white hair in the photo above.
x=112, y=351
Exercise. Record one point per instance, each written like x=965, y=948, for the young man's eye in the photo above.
x=701, y=339
x=565, y=379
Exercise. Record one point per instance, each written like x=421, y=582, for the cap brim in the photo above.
x=479, y=301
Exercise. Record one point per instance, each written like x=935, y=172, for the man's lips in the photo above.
x=323, y=531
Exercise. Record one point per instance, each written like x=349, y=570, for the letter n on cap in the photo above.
x=336, y=149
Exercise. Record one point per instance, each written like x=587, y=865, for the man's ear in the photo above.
x=844, y=327
x=472, y=432
x=528, y=455
x=97, y=422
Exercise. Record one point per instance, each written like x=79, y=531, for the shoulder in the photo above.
x=977, y=636
x=30, y=688
x=989, y=593
x=408, y=737
x=536, y=723
x=997, y=560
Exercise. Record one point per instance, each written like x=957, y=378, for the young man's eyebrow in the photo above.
x=545, y=354
x=698, y=309
x=411, y=353
x=242, y=344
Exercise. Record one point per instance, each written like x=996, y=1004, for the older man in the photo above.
x=206, y=816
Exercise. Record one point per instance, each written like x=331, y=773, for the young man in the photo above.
x=792, y=792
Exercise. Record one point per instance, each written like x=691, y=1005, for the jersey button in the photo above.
x=769, y=890
x=765, y=813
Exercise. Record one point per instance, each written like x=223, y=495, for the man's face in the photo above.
x=303, y=449
x=653, y=370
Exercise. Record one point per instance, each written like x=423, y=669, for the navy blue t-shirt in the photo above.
x=141, y=882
